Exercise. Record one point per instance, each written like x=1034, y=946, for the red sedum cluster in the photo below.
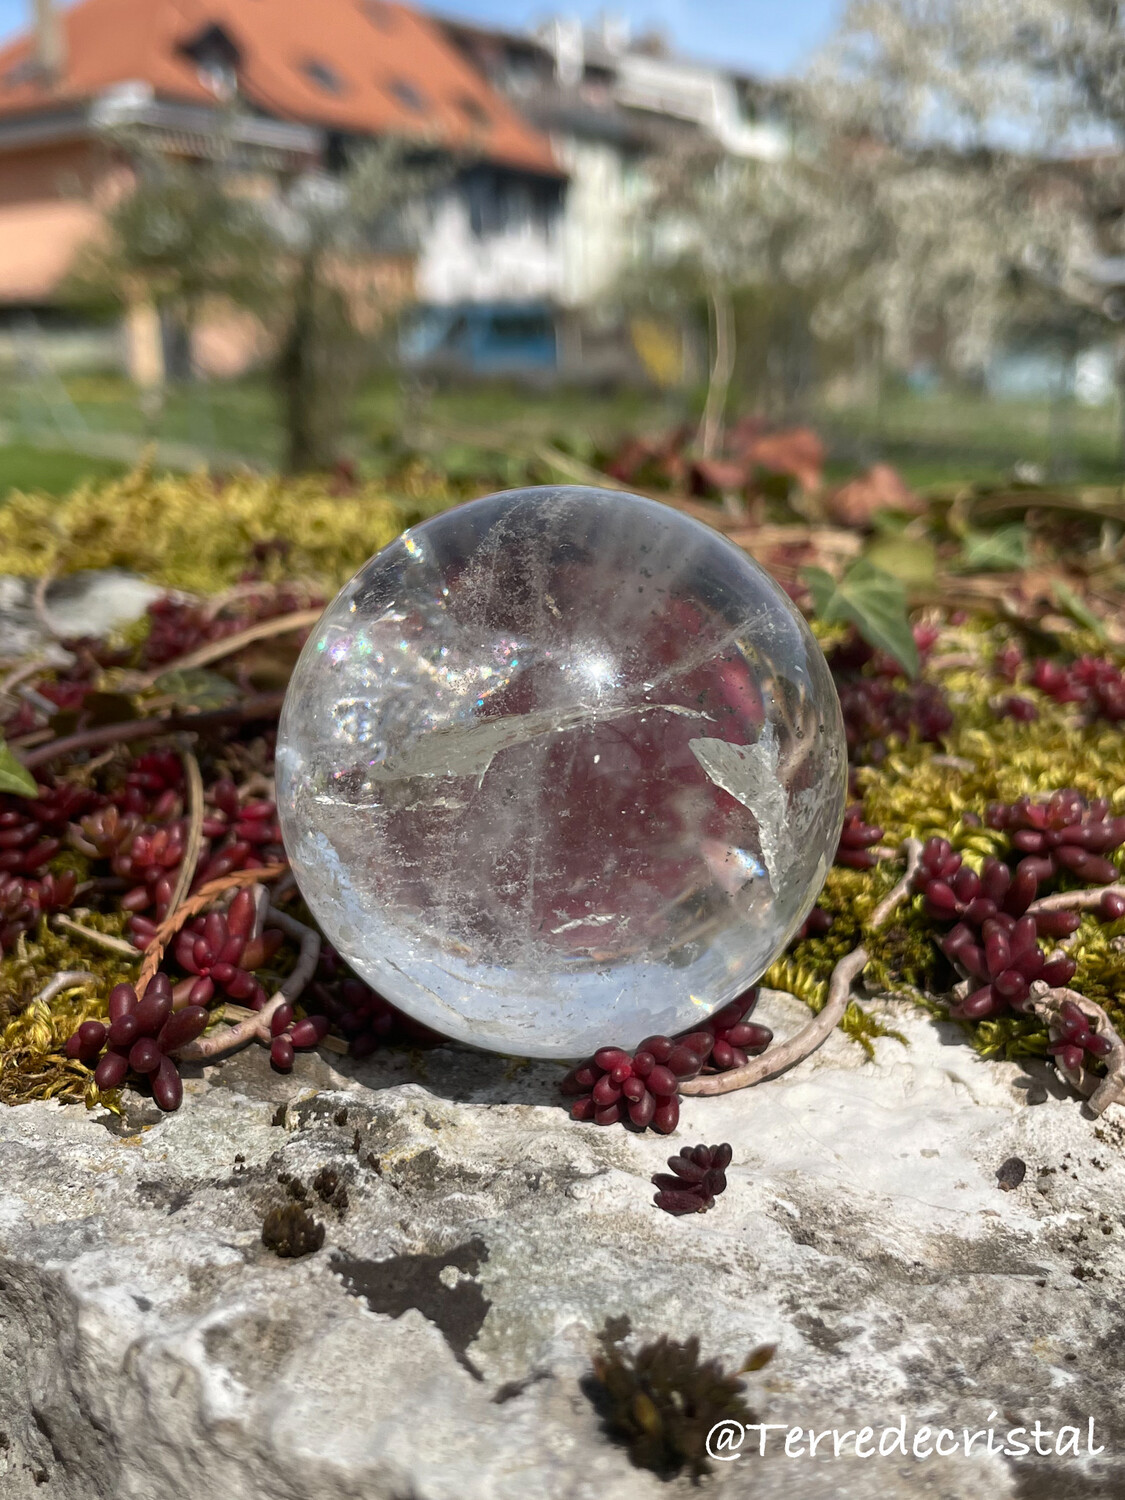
x=140, y=1039
x=994, y=937
x=614, y=1087
x=1077, y=1037
x=641, y=1089
x=1065, y=833
x=697, y=1177
x=857, y=839
x=218, y=950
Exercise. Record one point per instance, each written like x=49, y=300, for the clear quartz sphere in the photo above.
x=560, y=768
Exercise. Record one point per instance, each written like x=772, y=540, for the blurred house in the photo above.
x=612, y=104
x=288, y=85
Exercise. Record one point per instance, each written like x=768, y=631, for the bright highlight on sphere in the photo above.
x=560, y=768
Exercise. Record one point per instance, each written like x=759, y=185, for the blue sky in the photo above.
x=768, y=36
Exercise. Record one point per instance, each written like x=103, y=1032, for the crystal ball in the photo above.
x=560, y=768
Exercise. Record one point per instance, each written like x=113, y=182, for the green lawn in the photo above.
x=234, y=417
x=26, y=468
x=950, y=436
x=937, y=438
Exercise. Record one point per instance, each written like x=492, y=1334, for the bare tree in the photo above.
x=1004, y=124
x=305, y=260
x=329, y=297
x=715, y=227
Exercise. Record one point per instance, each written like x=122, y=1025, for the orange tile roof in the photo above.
x=383, y=69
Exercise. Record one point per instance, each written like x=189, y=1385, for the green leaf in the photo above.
x=1077, y=608
x=911, y=560
x=14, y=775
x=872, y=601
x=195, y=687
x=1004, y=549
x=822, y=587
x=890, y=522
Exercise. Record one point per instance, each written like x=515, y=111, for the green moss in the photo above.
x=865, y=1029
x=186, y=532
x=921, y=791
x=33, y=1033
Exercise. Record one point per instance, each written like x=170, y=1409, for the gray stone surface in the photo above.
x=85, y=603
x=434, y=1348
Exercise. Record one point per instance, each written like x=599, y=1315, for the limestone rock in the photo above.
x=475, y=1241
x=91, y=603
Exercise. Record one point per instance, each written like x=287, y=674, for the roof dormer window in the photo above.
x=323, y=75
x=475, y=112
x=217, y=61
x=219, y=77
x=408, y=95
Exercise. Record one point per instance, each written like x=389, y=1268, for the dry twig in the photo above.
x=302, y=619
x=191, y=908
x=194, y=845
x=22, y=672
x=261, y=706
x=39, y=605
x=99, y=939
x=1074, y=900
x=68, y=979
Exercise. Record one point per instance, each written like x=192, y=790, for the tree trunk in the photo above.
x=300, y=374
x=297, y=369
x=722, y=368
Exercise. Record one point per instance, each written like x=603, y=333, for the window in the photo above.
x=219, y=77
x=323, y=75
x=474, y=111
x=500, y=202
x=217, y=60
x=408, y=95
x=520, y=328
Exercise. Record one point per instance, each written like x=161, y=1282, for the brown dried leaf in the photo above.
x=797, y=451
x=880, y=488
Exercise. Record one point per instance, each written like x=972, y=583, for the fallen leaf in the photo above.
x=721, y=474
x=914, y=561
x=1003, y=550
x=1077, y=608
x=797, y=451
x=881, y=488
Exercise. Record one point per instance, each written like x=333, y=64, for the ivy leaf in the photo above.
x=1077, y=608
x=872, y=601
x=14, y=775
x=913, y=560
x=195, y=687
x=1004, y=549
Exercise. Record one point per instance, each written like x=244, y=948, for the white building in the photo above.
x=610, y=104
